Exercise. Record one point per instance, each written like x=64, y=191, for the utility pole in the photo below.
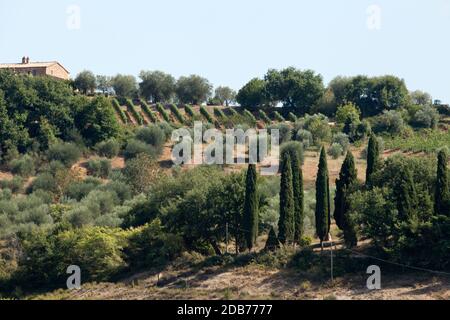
x=331, y=240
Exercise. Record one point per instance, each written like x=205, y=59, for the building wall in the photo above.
x=31, y=71
x=57, y=71
x=54, y=71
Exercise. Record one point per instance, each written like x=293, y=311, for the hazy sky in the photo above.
x=232, y=41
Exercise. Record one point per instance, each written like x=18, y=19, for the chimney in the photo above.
x=24, y=60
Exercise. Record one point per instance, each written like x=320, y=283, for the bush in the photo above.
x=305, y=137
x=80, y=190
x=318, y=126
x=163, y=112
x=66, y=153
x=249, y=116
x=23, y=166
x=343, y=140
x=119, y=111
x=390, y=122
x=219, y=114
x=292, y=147
x=336, y=150
x=189, y=111
x=109, y=148
x=15, y=185
x=206, y=115
x=264, y=117
x=284, y=130
x=148, y=112
x=149, y=246
x=176, y=112
x=292, y=117
x=152, y=135
x=132, y=109
x=136, y=147
x=45, y=181
x=278, y=117
x=97, y=251
x=99, y=168
x=426, y=117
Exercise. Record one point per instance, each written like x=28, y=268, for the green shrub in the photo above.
x=176, y=112
x=99, y=168
x=336, y=150
x=109, y=148
x=264, y=117
x=66, y=153
x=132, y=109
x=343, y=140
x=220, y=114
x=390, y=122
x=284, y=130
x=279, y=117
x=136, y=147
x=319, y=127
x=45, y=181
x=148, y=112
x=305, y=137
x=149, y=246
x=15, y=185
x=292, y=147
x=426, y=117
x=206, y=114
x=152, y=135
x=249, y=116
x=23, y=166
x=292, y=117
x=189, y=111
x=81, y=189
x=163, y=112
x=119, y=111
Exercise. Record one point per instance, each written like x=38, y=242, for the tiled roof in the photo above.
x=30, y=65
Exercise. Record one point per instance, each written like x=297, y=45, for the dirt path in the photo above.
x=255, y=282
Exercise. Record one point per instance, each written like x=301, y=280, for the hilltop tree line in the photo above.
x=298, y=91
x=156, y=87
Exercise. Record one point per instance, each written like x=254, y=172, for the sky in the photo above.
x=231, y=41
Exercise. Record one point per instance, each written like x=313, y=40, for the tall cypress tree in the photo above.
x=323, y=219
x=348, y=178
x=299, y=203
x=250, y=216
x=373, y=156
x=406, y=196
x=287, y=205
x=442, y=198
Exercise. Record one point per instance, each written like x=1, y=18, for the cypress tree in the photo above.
x=323, y=219
x=406, y=196
x=346, y=183
x=373, y=155
x=347, y=178
x=299, y=214
x=287, y=206
x=250, y=215
x=272, y=242
x=442, y=197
